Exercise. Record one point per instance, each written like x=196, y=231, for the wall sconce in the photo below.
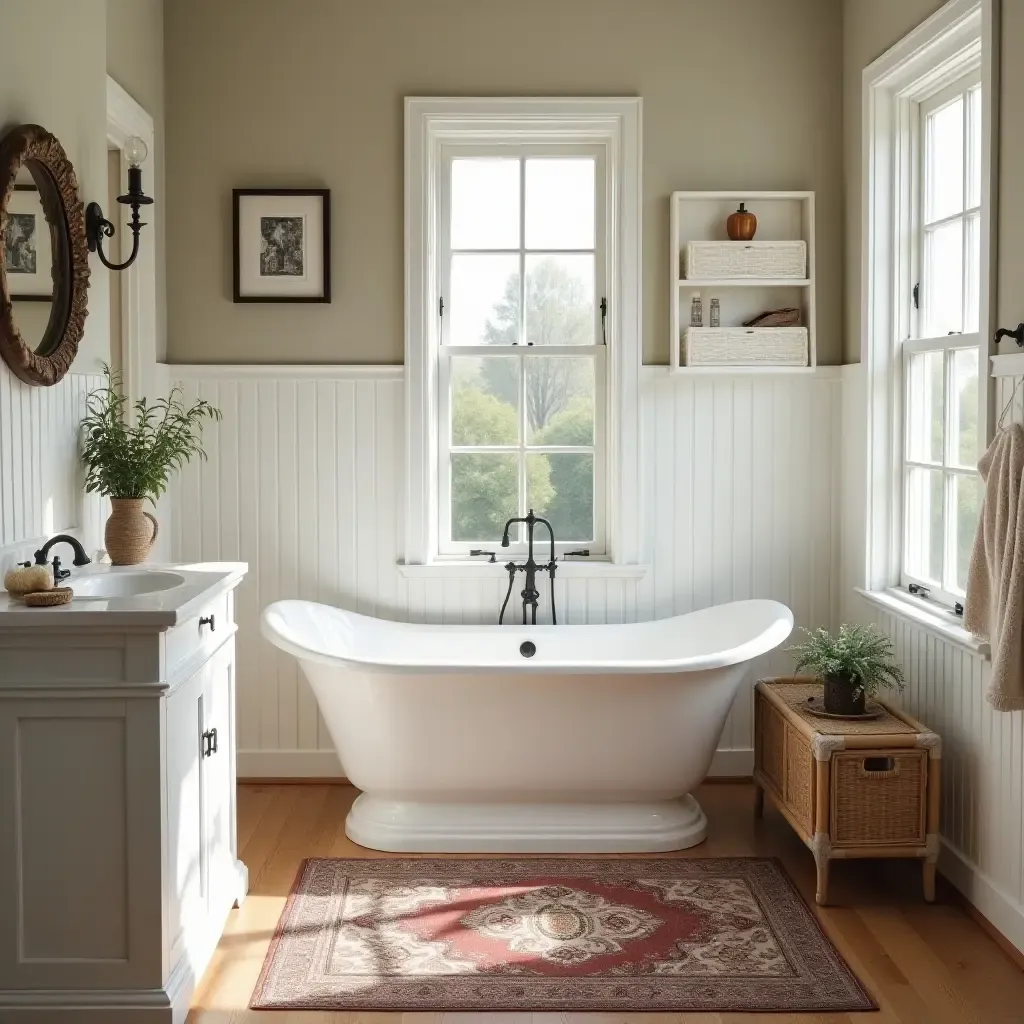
x=96, y=225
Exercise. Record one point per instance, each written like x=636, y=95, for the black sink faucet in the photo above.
x=81, y=558
x=530, y=593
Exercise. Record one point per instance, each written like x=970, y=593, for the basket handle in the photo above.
x=879, y=768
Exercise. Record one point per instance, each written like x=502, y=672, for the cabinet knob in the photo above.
x=208, y=620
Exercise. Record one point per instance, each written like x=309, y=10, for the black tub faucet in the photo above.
x=530, y=593
x=81, y=558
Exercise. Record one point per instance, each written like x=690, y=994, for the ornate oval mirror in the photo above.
x=44, y=276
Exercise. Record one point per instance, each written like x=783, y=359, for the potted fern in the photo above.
x=854, y=665
x=130, y=459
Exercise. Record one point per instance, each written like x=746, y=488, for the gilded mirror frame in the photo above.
x=34, y=148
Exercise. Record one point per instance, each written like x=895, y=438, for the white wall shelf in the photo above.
x=701, y=217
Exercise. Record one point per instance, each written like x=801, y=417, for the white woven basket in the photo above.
x=768, y=260
x=745, y=346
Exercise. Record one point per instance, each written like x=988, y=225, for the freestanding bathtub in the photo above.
x=516, y=739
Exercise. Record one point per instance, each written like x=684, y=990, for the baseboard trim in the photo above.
x=318, y=766
x=290, y=765
x=994, y=910
x=735, y=763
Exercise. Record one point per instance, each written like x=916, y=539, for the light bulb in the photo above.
x=135, y=151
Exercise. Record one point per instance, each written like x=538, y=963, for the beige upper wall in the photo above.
x=737, y=94
x=135, y=60
x=870, y=27
x=52, y=73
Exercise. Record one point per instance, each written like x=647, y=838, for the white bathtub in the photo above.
x=460, y=743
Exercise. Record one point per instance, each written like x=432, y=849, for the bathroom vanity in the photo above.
x=118, y=854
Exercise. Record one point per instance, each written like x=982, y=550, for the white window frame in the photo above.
x=959, y=37
x=609, y=126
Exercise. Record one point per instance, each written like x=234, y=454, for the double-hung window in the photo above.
x=943, y=432
x=928, y=304
x=523, y=329
x=522, y=361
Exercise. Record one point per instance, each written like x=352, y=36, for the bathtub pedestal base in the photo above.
x=410, y=826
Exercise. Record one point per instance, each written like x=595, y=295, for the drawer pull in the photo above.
x=208, y=620
x=879, y=768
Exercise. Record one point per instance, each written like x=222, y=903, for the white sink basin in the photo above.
x=110, y=586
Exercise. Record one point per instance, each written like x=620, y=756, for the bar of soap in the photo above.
x=31, y=579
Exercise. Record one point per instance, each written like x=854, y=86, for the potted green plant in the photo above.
x=854, y=665
x=129, y=459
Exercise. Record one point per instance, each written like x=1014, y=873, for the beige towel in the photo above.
x=994, y=608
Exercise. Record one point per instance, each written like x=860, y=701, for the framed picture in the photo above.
x=28, y=259
x=282, y=245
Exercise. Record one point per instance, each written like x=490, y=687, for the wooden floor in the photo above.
x=923, y=964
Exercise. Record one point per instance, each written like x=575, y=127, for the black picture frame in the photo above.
x=237, y=195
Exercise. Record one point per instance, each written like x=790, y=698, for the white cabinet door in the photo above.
x=219, y=779
x=186, y=862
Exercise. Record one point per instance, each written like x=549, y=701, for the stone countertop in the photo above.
x=201, y=582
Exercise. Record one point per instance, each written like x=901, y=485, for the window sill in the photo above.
x=484, y=570
x=936, y=621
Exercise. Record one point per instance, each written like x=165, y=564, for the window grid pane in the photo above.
x=533, y=285
x=942, y=494
x=523, y=429
x=942, y=491
x=523, y=436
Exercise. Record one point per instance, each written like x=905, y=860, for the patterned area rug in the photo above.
x=627, y=935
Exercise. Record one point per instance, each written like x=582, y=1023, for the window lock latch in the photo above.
x=918, y=591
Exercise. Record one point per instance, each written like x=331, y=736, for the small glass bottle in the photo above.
x=696, y=312
x=716, y=313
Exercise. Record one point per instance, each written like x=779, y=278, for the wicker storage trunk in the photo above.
x=850, y=788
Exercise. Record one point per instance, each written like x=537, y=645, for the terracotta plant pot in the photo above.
x=839, y=698
x=129, y=532
x=741, y=225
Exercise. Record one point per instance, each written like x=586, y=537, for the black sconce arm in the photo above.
x=97, y=227
x=1017, y=335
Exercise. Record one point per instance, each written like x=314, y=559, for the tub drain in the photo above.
x=527, y=648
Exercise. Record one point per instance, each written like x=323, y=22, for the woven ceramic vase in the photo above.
x=129, y=532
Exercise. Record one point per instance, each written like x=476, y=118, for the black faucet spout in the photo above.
x=81, y=558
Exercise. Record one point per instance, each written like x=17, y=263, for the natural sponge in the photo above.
x=49, y=598
x=29, y=579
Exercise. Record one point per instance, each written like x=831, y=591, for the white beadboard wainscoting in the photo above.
x=304, y=482
x=41, y=474
x=982, y=750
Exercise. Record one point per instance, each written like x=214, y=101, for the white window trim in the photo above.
x=940, y=49
x=611, y=123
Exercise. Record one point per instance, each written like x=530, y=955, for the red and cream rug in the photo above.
x=627, y=935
